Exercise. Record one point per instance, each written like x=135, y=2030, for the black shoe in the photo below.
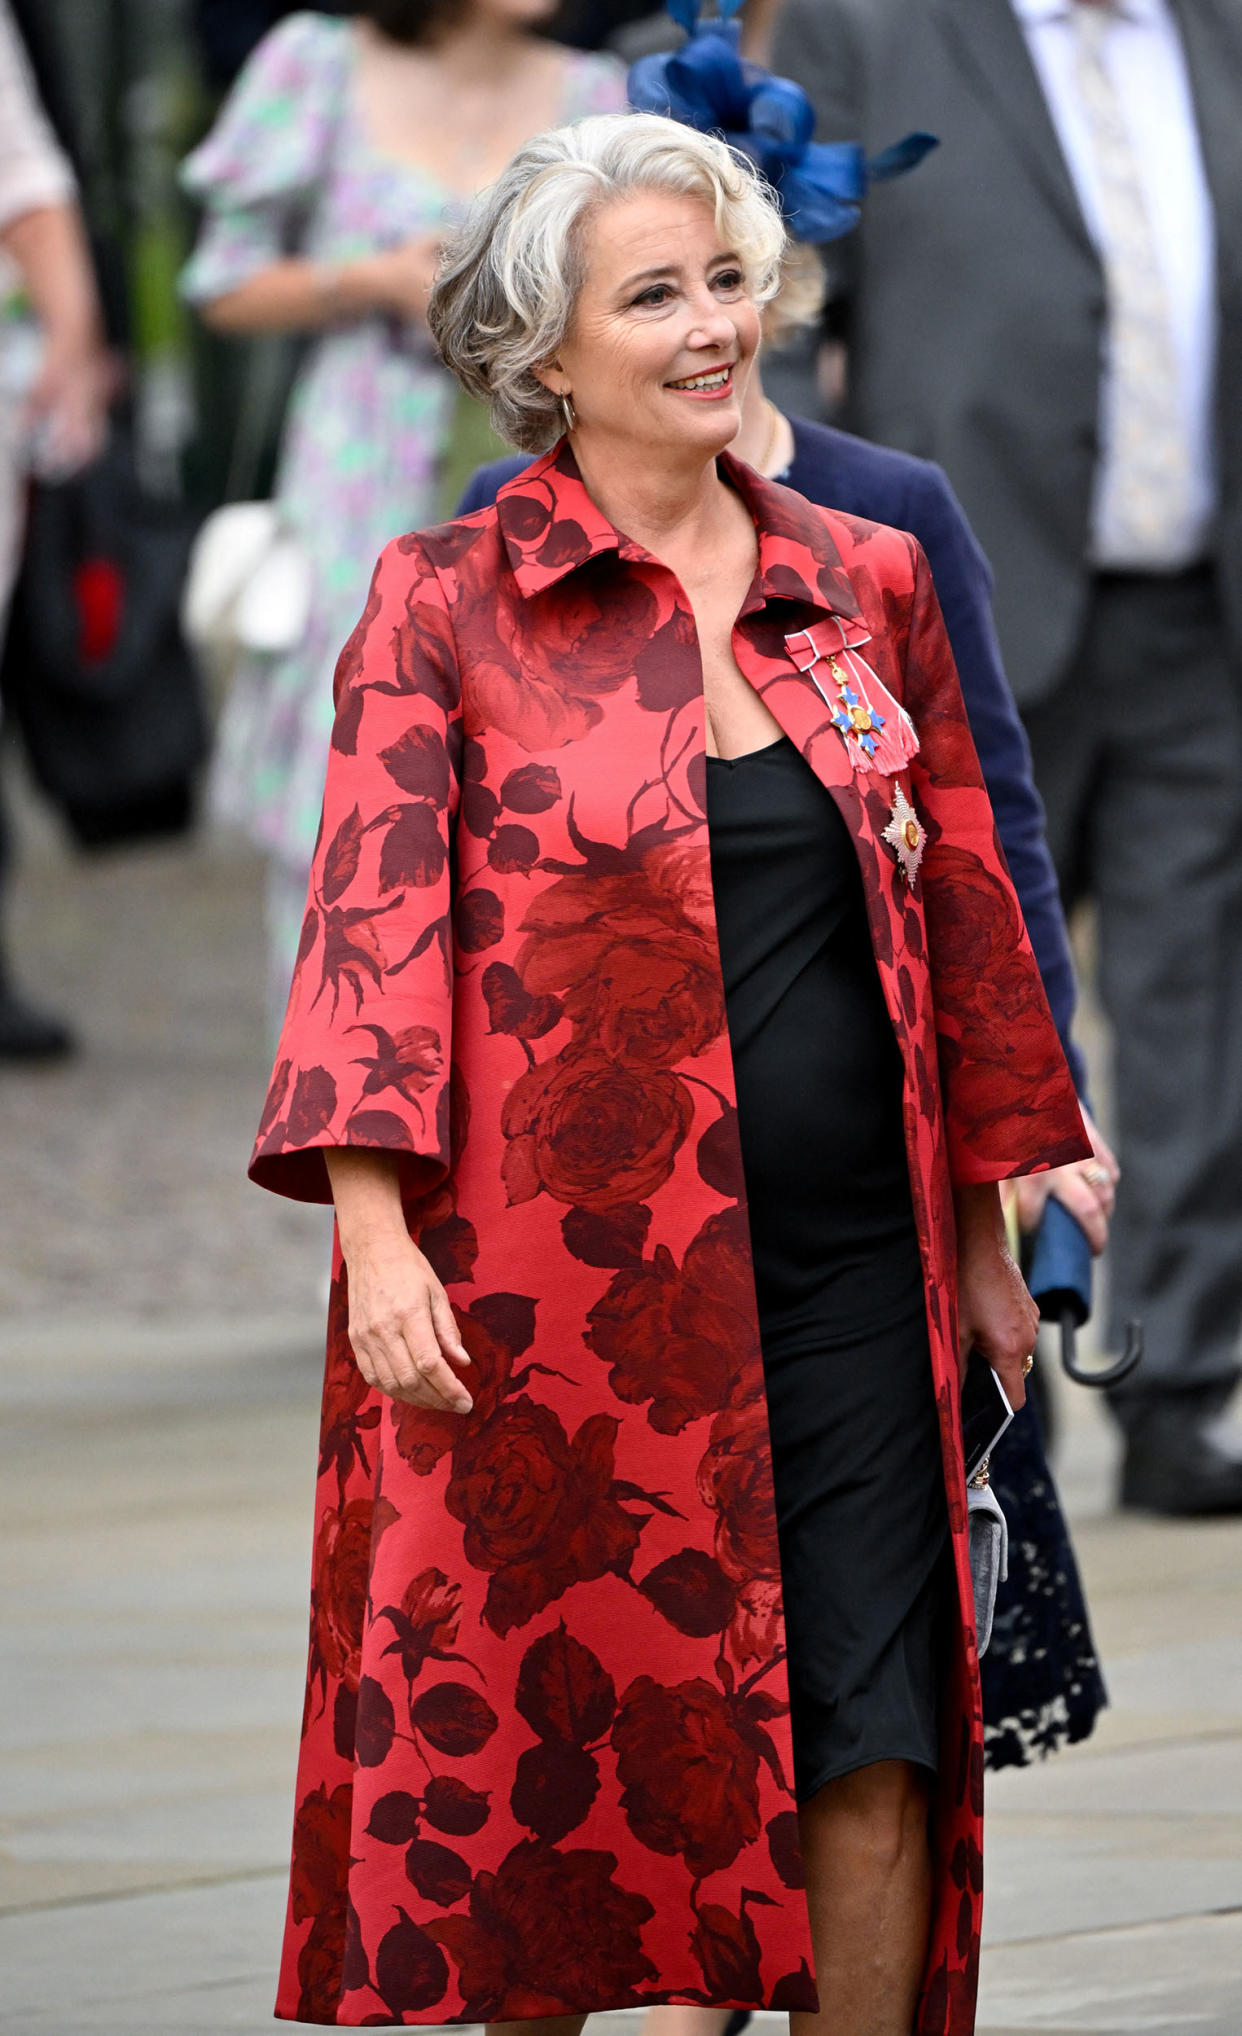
x=27, y=1034
x=1174, y=1465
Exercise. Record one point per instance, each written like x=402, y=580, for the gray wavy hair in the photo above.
x=504, y=298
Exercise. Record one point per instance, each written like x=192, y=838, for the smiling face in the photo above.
x=664, y=330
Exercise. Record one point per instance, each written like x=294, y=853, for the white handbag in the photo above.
x=248, y=588
x=989, y=1554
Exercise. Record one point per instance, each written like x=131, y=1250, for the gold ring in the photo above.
x=1097, y=1175
x=1027, y=1362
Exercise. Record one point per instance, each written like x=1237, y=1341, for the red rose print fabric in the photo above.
x=545, y=1759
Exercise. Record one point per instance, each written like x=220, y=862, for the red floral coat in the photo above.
x=546, y=1758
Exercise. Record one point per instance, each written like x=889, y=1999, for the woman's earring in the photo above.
x=568, y=412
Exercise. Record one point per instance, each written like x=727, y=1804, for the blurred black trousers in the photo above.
x=1138, y=756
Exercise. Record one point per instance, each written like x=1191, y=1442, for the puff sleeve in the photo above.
x=258, y=172
x=1009, y=1099
x=364, y=1055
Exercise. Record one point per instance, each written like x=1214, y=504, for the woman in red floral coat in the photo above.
x=547, y=1026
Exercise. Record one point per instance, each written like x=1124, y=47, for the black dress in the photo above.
x=855, y=1444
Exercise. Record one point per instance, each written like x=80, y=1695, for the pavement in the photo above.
x=159, y=1354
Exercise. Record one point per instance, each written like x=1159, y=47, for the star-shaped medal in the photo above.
x=853, y=719
x=905, y=836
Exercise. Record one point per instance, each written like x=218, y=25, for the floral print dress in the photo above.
x=546, y=1753
x=288, y=168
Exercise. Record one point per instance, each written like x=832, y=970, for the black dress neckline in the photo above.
x=749, y=755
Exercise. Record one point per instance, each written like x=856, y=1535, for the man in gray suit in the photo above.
x=1052, y=310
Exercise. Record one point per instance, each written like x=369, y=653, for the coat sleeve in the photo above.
x=964, y=589
x=1009, y=1100
x=365, y=1048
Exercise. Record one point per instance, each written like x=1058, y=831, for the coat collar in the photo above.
x=550, y=526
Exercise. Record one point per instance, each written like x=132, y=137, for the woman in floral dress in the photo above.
x=341, y=155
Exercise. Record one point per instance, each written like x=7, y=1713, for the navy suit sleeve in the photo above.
x=964, y=585
x=486, y=482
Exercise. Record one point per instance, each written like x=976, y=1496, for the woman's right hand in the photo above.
x=402, y=1327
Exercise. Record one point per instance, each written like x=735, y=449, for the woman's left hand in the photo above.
x=995, y=1312
x=1087, y=1187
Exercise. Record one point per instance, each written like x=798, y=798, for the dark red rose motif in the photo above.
x=689, y=1778
x=340, y=863
x=794, y=1992
x=592, y=630
x=352, y=951
x=541, y=1512
x=450, y=1248
x=614, y=1238
x=534, y=709
x=948, y=2000
x=551, y=1932
x=735, y=1480
x=540, y=681
x=480, y=921
x=350, y=662
x=984, y=984
x=422, y=656
x=532, y=789
x=514, y=851
x=564, y=1691
x=436, y=1872
x=339, y=1588
x=567, y=1696
x=394, y=1818
x=408, y=1061
x=321, y=1965
x=411, y=1971
x=756, y=1628
x=453, y=1718
x=683, y=1340
x=633, y=957
x=418, y=763
x=512, y=1009
x=375, y=1723
x=312, y=1105
x=589, y=1131
x=425, y=1623
x=785, y=1847
x=450, y=1806
x=692, y=1592
x=320, y=1851
x=727, y=1949
x=350, y=1408
x=554, y=1787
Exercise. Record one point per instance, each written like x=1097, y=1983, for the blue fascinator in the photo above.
x=706, y=84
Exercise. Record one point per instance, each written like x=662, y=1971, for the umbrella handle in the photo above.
x=1111, y=1374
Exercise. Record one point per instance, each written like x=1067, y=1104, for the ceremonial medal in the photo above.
x=906, y=836
x=877, y=732
x=852, y=717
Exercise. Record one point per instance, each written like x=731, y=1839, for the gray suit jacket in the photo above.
x=977, y=296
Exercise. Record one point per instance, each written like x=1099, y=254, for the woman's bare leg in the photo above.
x=675, y=2021
x=868, y=1870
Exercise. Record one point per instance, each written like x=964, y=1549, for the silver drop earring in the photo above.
x=568, y=412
